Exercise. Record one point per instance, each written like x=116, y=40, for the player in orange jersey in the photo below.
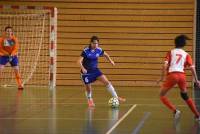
x=8, y=53
x=173, y=73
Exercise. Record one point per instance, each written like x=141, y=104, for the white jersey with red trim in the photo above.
x=177, y=60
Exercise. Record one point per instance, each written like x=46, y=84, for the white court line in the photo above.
x=127, y=104
x=46, y=118
x=121, y=119
x=83, y=98
x=141, y=123
x=149, y=99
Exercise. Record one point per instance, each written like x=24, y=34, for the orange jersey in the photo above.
x=8, y=46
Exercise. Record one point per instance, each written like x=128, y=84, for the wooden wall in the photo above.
x=136, y=34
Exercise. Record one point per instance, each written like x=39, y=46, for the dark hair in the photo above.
x=92, y=39
x=8, y=27
x=180, y=41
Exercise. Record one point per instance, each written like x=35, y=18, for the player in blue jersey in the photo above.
x=90, y=72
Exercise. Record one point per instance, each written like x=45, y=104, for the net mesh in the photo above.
x=197, y=55
x=32, y=28
x=198, y=40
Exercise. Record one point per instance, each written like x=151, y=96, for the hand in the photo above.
x=112, y=62
x=10, y=58
x=160, y=80
x=197, y=84
x=84, y=71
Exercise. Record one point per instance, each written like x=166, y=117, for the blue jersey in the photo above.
x=90, y=58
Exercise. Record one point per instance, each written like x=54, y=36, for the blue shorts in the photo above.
x=91, y=76
x=5, y=59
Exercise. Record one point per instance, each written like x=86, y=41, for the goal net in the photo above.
x=35, y=30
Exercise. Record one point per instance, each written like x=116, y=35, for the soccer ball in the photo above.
x=113, y=102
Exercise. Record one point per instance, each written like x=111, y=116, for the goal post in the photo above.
x=36, y=29
x=196, y=50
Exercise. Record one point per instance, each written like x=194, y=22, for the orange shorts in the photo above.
x=175, y=78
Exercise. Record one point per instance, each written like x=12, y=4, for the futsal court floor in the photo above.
x=65, y=111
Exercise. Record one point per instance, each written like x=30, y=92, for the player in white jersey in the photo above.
x=178, y=58
x=173, y=73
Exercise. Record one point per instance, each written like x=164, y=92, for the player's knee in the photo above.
x=107, y=83
x=1, y=67
x=162, y=98
x=184, y=96
x=163, y=92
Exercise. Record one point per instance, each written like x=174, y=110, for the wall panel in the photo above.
x=136, y=34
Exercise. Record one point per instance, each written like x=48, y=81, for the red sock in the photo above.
x=192, y=107
x=165, y=101
x=18, y=79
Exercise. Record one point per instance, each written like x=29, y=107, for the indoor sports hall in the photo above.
x=137, y=34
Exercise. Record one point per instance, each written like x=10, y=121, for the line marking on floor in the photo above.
x=121, y=119
x=77, y=103
x=71, y=98
x=47, y=118
x=141, y=123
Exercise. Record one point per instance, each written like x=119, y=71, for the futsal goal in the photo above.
x=36, y=30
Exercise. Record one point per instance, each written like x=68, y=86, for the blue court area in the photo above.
x=65, y=111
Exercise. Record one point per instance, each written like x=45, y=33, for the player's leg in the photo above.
x=164, y=99
x=184, y=95
x=14, y=64
x=87, y=80
x=3, y=62
x=110, y=87
x=18, y=78
x=167, y=85
x=191, y=104
x=88, y=94
x=1, y=68
x=88, y=91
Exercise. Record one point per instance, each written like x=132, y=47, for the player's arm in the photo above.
x=15, y=48
x=194, y=74
x=79, y=62
x=192, y=69
x=163, y=71
x=164, y=68
x=108, y=58
x=2, y=51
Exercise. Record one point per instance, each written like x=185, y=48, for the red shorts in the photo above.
x=173, y=79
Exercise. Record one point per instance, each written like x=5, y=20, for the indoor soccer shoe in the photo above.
x=20, y=88
x=121, y=99
x=197, y=119
x=177, y=114
x=91, y=103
